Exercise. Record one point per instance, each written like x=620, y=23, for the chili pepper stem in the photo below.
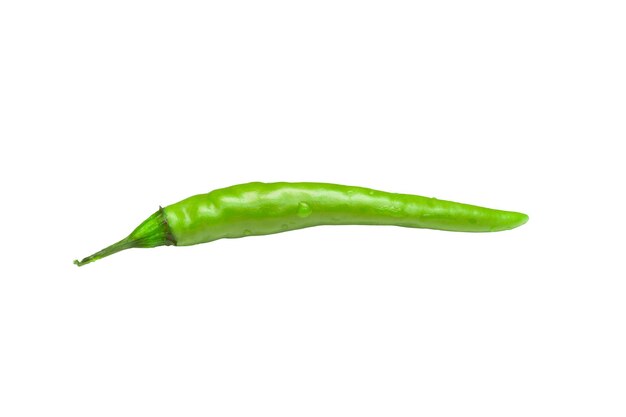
x=153, y=232
x=123, y=244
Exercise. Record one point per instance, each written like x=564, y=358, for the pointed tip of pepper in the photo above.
x=519, y=219
x=514, y=219
x=524, y=219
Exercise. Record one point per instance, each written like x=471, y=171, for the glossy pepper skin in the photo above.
x=257, y=208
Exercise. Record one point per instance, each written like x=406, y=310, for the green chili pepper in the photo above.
x=257, y=208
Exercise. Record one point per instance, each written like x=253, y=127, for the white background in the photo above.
x=108, y=109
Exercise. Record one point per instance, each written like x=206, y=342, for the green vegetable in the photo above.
x=257, y=208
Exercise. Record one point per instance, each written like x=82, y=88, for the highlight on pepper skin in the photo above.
x=256, y=209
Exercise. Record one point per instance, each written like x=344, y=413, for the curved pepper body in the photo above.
x=261, y=209
x=256, y=208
